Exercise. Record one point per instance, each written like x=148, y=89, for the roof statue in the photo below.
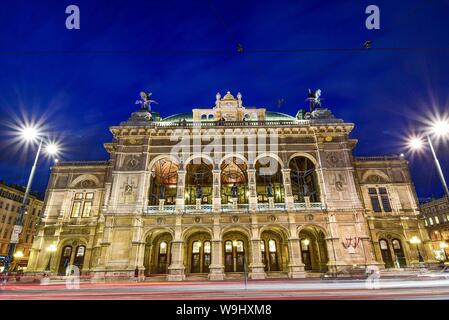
x=145, y=102
x=314, y=98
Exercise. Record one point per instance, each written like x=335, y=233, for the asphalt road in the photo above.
x=309, y=289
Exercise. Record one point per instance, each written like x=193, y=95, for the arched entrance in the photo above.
x=157, y=255
x=163, y=180
x=198, y=181
x=273, y=252
x=71, y=255
x=303, y=180
x=199, y=252
x=235, y=251
x=313, y=249
x=234, y=176
x=269, y=180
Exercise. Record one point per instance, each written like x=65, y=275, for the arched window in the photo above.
x=198, y=182
x=79, y=257
x=234, y=173
x=163, y=181
x=305, y=254
x=162, y=257
x=263, y=253
x=229, y=259
x=399, y=253
x=206, y=256
x=196, y=257
x=269, y=182
x=66, y=255
x=386, y=254
x=273, y=255
x=303, y=179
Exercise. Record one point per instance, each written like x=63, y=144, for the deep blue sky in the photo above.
x=383, y=92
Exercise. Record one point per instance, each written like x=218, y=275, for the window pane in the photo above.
x=228, y=246
x=89, y=195
x=396, y=244
x=305, y=244
x=78, y=196
x=272, y=245
x=80, y=251
x=163, y=247
x=372, y=191
x=87, y=208
x=239, y=246
x=207, y=247
x=375, y=204
x=382, y=190
x=67, y=251
x=262, y=246
x=76, y=209
x=386, y=203
x=383, y=244
x=437, y=220
x=196, y=247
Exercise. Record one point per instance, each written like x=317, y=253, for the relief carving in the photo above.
x=335, y=159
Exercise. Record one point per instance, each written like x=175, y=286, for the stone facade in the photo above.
x=227, y=191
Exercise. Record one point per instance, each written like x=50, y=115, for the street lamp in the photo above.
x=51, y=248
x=415, y=240
x=29, y=134
x=18, y=255
x=443, y=246
x=439, y=128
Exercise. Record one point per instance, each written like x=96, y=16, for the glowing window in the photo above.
x=196, y=247
x=262, y=246
x=89, y=195
x=228, y=246
x=87, y=208
x=396, y=244
x=163, y=247
x=80, y=251
x=76, y=209
x=207, y=247
x=272, y=245
x=383, y=245
x=239, y=246
x=78, y=196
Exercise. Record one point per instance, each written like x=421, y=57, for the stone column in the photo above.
x=177, y=268
x=216, y=191
x=216, y=268
x=180, y=197
x=252, y=200
x=287, y=189
x=295, y=265
x=256, y=267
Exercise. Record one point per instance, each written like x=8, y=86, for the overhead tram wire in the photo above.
x=218, y=52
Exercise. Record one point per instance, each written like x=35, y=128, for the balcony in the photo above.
x=241, y=208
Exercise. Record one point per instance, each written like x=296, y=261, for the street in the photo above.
x=313, y=289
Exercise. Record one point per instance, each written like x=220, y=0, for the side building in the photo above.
x=435, y=214
x=220, y=190
x=11, y=197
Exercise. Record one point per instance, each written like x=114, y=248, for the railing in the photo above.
x=379, y=158
x=230, y=123
x=244, y=207
x=81, y=163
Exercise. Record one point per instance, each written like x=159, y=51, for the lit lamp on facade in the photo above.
x=306, y=242
x=416, y=241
